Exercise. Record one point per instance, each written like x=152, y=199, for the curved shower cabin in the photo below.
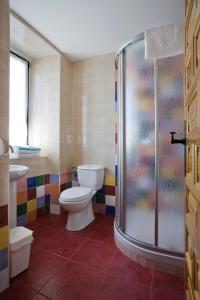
x=149, y=223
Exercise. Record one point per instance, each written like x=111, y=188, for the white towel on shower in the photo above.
x=164, y=41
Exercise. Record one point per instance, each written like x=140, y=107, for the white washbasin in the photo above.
x=17, y=171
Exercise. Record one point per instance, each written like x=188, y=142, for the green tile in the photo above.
x=47, y=209
x=21, y=209
x=100, y=198
x=69, y=185
x=40, y=180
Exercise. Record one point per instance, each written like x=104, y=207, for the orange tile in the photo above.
x=69, y=176
x=53, y=189
x=22, y=197
x=32, y=216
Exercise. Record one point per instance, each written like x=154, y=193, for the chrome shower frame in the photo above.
x=153, y=251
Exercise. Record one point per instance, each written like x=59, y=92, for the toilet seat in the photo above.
x=76, y=194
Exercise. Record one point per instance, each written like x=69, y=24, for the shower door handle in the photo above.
x=177, y=141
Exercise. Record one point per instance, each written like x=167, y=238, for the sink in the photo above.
x=17, y=171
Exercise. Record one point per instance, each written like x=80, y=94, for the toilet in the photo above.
x=78, y=200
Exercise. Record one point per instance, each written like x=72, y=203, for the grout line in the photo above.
x=51, y=277
x=66, y=259
x=43, y=296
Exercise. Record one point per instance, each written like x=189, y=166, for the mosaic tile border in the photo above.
x=3, y=237
x=104, y=201
x=36, y=194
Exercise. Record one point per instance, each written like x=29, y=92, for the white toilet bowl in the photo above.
x=78, y=202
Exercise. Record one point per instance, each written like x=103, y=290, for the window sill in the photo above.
x=16, y=157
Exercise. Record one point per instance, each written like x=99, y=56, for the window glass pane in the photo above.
x=18, y=101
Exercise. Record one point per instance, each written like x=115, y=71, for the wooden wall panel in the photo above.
x=192, y=113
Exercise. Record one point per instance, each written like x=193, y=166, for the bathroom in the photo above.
x=99, y=150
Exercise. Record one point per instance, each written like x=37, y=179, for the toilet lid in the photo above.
x=77, y=193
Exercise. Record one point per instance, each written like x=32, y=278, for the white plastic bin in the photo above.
x=20, y=246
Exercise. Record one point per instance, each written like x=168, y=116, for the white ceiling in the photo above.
x=86, y=28
x=26, y=42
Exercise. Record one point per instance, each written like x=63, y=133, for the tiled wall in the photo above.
x=57, y=184
x=104, y=201
x=93, y=112
x=36, y=194
x=3, y=238
x=93, y=122
x=50, y=120
x=33, y=200
x=44, y=120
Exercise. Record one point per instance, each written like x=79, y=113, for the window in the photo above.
x=18, y=108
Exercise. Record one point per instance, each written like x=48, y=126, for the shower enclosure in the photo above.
x=150, y=205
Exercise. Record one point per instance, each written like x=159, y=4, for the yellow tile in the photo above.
x=3, y=237
x=31, y=205
x=109, y=180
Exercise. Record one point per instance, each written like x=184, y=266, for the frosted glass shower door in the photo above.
x=139, y=145
x=171, y=156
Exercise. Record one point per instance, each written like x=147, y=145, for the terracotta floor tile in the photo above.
x=17, y=291
x=41, y=235
x=55, y=221
x=122, y=290
x=168, y=283
x=64, y=244
x=95, y=253
x=43, y=266
x=124, y=269
x=104, y=233
x=40, y=297
x=75, y=282
x=162, y=295
x=86, y=265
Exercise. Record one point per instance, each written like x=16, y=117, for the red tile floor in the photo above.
x=86, y=265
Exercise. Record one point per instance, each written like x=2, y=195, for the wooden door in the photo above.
x=192, y=116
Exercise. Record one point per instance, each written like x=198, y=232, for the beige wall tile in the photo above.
x=65, y=115
x=44, y=120
x=37, y=165
x=93, y=111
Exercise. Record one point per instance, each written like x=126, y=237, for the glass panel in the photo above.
x=140, y=145
x=18, y=101
x=171, y=156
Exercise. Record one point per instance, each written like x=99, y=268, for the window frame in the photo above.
x=13, y=53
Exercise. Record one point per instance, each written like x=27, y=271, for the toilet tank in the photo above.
x=91, y=176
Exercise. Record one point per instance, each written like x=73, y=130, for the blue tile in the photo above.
x=47, y=199
x=54, y=179
x=31, y=182
x=102, y=190
x=110, y=210
x=116, y=174
x=41, y=202
x=3, y=259
x=22, y=220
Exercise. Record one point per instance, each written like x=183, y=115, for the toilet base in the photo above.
x=79, y=220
